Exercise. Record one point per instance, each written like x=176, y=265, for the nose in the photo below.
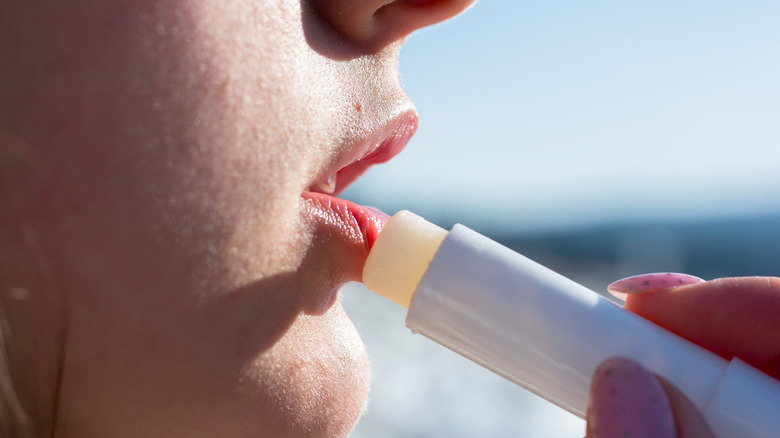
x=378, y=23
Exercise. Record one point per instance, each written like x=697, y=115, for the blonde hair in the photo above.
x=14, y=421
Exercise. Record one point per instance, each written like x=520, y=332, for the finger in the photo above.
x=688, y=421
x=627, y=400
x=731, y=317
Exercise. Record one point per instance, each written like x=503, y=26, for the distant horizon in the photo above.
x=506, y=220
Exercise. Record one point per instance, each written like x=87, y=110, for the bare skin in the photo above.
x=161, y=273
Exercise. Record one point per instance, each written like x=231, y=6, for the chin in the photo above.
x=316, y=377
x=349, y=376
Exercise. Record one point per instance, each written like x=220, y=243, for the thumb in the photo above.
x=627, y=400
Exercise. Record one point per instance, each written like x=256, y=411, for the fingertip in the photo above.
x=720, y=315
x=648, y=283
x=627, y=400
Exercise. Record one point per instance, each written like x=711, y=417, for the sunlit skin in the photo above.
x=162, y=271
x=162, y=274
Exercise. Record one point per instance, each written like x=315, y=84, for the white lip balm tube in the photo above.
x=546, y=332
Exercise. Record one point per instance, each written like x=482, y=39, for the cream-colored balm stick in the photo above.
x=546, y=332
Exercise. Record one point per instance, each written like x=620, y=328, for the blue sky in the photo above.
x=538, y=114
x=548, y=114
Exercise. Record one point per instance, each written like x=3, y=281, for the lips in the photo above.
x=351, y=223
x=393, y=139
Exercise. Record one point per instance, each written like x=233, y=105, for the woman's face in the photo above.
x=169, y=243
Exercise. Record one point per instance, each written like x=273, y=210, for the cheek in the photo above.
x=191, y=142
x=177, y=170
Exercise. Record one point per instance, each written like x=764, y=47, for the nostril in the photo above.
x=379, y=23
x=351, y=18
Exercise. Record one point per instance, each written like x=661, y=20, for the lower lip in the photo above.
x=350, y=222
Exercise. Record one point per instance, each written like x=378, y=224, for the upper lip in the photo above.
x=378, y=147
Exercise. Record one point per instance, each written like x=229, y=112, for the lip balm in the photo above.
x=546, y=332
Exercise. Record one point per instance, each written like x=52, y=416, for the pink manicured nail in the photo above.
x=626, y=400
x=650, y=283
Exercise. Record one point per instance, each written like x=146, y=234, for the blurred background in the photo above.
x=603, y=139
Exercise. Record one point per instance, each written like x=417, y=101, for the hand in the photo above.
x=731, y=317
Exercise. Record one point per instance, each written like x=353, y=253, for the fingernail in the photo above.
x=626, y=400
x=650, y=283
